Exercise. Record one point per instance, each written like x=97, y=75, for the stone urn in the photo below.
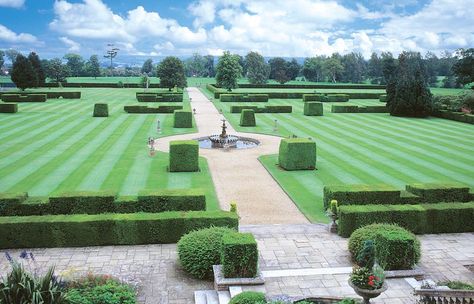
x=368, y=294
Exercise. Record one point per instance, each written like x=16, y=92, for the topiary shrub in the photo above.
x=396, y=247
x=313, y=109
x=239, y=255
x=183, y=119
x=8, y=108
x=184, y=156
x=248, y=297
x=297, y=154
x=247, y=118
x=344, y=109
x=101, y=110
x=199, y=250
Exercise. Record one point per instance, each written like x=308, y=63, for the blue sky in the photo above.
x=296, y=28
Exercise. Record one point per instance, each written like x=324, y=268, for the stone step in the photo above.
x=200, y=297
x=234, y=290
x=224, y=297
x=212, y=297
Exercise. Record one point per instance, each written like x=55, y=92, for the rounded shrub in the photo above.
x=248, y=297
x=200, y=249
x=396, y=247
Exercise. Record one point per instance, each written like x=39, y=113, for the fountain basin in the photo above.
x=231, y=141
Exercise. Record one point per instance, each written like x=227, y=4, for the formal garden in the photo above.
x=175, y=189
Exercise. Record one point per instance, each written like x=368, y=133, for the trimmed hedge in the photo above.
x=396, y=247
x=420, y=219
x=297, y=154
x=383, y=98
x=171, y=200
x=361, y=194
x=166, y=97
x=312, y=97
x=184, y=156
x=435, y=192
x=136, y=109
x=373, y=109
x=11, y=200
x=247, y=118
x=266, y=109
x=8, y=108
x=313, y=109
x=239, y=255
x=146, y=97
x=101, y=110
x=344, y=109
x=107, y=229
x=249, y=297
x=159, y=97
x=50, y=94
x=306, y=86
x=183, y=119
x=82, y=202
x=238, y=109
x=243, y=97
x=457, y=116
x=24, y=98
x=338, y=97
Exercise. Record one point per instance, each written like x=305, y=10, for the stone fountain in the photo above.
x=227, y=141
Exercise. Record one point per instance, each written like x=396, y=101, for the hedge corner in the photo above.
x=297, y=154
x=239, y=255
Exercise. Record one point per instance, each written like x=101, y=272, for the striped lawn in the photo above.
x=58, y=146
x=364, y=148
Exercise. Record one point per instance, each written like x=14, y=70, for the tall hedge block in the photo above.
x=390, y=242
x=436, y=192
x=184, y=156
x=101, y=110
x=239, y=255
x=8, y=108
x=297, y=154
x=361, y=194
x=312, y=108
x=183, y=119
x=247, y=118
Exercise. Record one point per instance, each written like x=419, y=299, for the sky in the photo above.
x=287, y=28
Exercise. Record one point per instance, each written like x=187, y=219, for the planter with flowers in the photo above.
x=368, y=283
x=332, y=212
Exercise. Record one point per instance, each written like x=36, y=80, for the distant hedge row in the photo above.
x=309, y=86
x=244, y=97
x=23, y=98
x=457, y=116
x=50, y=95
x=100, y=85
x=8, y=108
x=358, y=109
x=138, y=109
x=159, y=97
x=107, y=229
x=326, y=98
x=18, y=204
x=266, y=109
x=386, y=194
x=424, y=218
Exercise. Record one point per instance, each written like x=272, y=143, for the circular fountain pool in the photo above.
x=226, y=141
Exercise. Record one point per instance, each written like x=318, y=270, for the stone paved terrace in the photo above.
x=282, y=247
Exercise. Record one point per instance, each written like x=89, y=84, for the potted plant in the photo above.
x=368, y=283
x=332, y=212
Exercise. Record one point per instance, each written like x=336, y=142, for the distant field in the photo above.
x=364, y=148
x=58, y=146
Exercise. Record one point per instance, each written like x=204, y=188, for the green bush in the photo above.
x=248, y=297
x=424, y=218
x=247, y=118
x=77, y=202
x=438, y=192
x=278, y=109
x=80, y=230
x=136, y=109
x=8, y=108
x=183, y=119
x=103, y=291
x=239, y=255
x=344, y=109
x=199, y=250
x=101, y=110
x=457, y=285
x=171, y=200
x=184, y=156
x=396, y=248
x=20, y=286
x=297, y=154
x=313, y=109
x=361, y=194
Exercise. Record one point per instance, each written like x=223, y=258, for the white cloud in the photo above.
x=12, y=3
x=73, y=45
x=204, y=11
x=9, y=36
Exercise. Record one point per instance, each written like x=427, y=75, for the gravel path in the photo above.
x=238, y=176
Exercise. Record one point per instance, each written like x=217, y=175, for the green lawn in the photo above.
x=58, y=146
x=364, y=148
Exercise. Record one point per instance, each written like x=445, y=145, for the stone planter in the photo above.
x=368, y=294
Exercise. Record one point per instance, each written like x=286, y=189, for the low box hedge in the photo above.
x=395, y=251
x=313, y=109
x=238, y=109
x=297, y=154
x=30, y=97
x=344, y=109
x=76, y=202
x=8, y=108
x=247, y=118
x=424, y=218
x=146, y=97
x=176, y=97
x=456, y=116
x=171, y=200
x=383, y=98
x=338, y=97
x=373, y=109
x=137, y=109
x=257, y=97
x=184, y=156
x=361, y=194
x=311, y=97
x=183, y=119
x=440, y=192
x=82, y=230
x=101, y=110
x=239, y=256
x=232, y=97
x=243, y=97
x=11, y=200
x=278, y=109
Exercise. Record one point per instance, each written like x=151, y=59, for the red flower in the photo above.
x=371, y=283
x=371, y=277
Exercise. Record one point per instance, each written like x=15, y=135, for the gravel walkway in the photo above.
x=238, y=176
